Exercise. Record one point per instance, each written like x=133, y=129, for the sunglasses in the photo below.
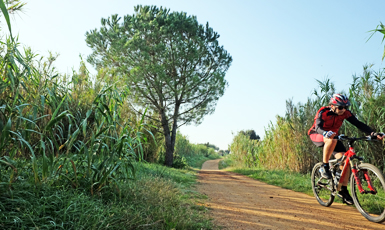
x=342, y=107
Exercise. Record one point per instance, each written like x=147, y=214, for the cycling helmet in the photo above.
x=339, y=100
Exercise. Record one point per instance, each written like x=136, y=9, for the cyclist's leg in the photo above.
x=318, y=140
x=329, y=146
x=339, y=152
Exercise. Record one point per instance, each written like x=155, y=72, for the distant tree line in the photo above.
x=251, y=134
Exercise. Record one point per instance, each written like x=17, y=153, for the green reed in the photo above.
x=286, y=144
x=74, y=131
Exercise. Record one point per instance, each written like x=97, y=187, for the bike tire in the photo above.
x=371, y=206
x=322, y=188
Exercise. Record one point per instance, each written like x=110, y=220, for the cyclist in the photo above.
x=327, y=122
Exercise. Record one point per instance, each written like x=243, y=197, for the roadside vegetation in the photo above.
x=286, y=155
x=159, y=198
x=286, y=145
x=74, y=155
x=193, y=155
x=291, y=180
x=174, y=66
x=295, y=181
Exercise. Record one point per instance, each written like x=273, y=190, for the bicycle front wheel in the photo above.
x=371, y=202
x=322, y=188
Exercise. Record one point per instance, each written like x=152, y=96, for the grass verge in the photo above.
x=159, y=198
x=198, y=160
x=284, y=179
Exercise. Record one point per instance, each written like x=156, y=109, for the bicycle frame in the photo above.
x=349, y=156
x=367, y=182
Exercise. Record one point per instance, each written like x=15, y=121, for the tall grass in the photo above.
x=71, y=155
x=244, y=150
x=159, y=198
x=286, y=144
x=76, y=127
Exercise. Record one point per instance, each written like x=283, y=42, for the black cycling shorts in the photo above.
x=317, y=139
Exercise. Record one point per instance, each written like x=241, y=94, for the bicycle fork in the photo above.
x=358, y=181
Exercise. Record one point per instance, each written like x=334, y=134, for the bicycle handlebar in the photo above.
x=342, y=137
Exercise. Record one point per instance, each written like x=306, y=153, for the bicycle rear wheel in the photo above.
x=370, y=204
x=322, y=188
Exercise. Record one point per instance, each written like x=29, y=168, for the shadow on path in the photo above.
x=239, y=202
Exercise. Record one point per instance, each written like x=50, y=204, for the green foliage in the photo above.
x=380, y=28
x=198, y=160
x=251, y=133
x=188, y=154
x=174, y=65
x=46, y=118
x=282, y=178
x=211, y=146
x=244, y=150
x=226, y=162
x=179, y=162
x=69, y=150
x=159, y=198
x=9, y=7
x=6, y=15
x=286, y=145
x=183, y=147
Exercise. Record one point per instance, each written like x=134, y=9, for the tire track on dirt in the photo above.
x=239, y=202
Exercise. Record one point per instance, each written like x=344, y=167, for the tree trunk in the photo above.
x=169, y=139
x=169, y=157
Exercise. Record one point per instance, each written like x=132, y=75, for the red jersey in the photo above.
x=327, y=120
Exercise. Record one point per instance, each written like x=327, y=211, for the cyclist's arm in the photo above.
x=360, y=125
x=319, y=123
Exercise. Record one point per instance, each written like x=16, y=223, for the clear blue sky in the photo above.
x=279, y=49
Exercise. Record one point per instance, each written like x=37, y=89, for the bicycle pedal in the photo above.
x=344, y=202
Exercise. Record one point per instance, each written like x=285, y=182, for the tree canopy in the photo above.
x=173, y=65
x=251, y=134
x=208, y=145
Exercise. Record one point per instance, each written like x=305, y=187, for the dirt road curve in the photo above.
x=239, y=202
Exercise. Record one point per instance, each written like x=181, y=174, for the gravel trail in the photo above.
x=239, y=202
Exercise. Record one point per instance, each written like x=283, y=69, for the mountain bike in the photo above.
x=367, y=183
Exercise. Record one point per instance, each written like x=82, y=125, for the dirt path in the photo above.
x=239, y=202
